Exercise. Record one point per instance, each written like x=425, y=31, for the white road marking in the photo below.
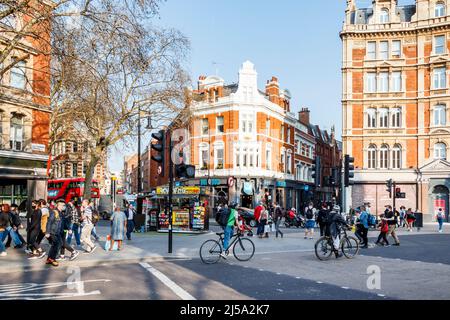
x=278, y=273
x=381, y=295
x=319, y=282
x=183, y=294
x=261, y=270
x=297, y=278
x=345, y=288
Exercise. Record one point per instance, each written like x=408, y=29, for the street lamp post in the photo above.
x=139, y=179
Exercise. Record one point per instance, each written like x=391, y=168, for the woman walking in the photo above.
x=263, y=218
x=410, y=218
x=118, y=227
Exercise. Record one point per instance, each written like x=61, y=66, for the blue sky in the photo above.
x=294, y=40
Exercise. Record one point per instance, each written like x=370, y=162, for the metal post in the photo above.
x=394, y=197
x=170, y=194
x=139, y=182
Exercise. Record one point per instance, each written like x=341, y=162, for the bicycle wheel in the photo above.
x=350, y=247
x=323, y=249
x=243, y=249
x=210, y=252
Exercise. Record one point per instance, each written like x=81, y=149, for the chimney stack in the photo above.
x=273, y=90
x=304, y=115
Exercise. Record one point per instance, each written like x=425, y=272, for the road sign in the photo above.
x=230, y=182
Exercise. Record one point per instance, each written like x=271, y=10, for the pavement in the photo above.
x=281, y=269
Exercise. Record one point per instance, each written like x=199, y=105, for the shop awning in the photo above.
x=27, y=174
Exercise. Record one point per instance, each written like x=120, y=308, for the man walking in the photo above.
x=363, y=228
x=130, y=212
x=33, y=232
x=73, y=212
x=87, y=226
x=257, y=214
x=322, y=218
x=392, y=223
x=66, y=229
x=278, y=216
x=53, y=232
x=440, y=216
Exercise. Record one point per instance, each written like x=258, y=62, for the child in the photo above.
x=384, y=228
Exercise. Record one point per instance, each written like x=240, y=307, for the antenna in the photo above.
x=215, y=64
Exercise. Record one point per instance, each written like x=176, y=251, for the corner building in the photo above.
x=396, y=102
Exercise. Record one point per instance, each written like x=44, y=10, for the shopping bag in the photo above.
x=108, y=243
x=266, y=228
x=274, y=229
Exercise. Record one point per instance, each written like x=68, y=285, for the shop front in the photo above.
x=189, y=211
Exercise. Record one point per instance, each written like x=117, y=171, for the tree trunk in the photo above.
x=90, y=174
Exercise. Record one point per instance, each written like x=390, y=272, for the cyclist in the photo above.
x=233, y=221
x=335, y=224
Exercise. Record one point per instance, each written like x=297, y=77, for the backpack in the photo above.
x=95, y=217
x=309, y=214
x=440, y=215
x=222, y=216
x=372, y=220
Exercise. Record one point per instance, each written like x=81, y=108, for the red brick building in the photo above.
x=24, y=112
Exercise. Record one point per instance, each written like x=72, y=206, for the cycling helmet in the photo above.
x=336, y=208
x=233, y=205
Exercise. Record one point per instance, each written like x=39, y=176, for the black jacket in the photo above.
x=14, y=220
x=54, y=223
x=322, y=216
x=35, y=222
x=335, y=223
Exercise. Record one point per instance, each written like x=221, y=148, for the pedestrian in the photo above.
x=233, y=220
x=45, y=213
x=335, y=223
x=310, y=213
x=95, y=221
x=11, y=227
x=384, y=228
x=87, y=225
x=74, y=212
x=363, y=228
x=53, y=232
x=263, y=219
x=440, y=216
x=402, y=216
x=4, y=221
x=392, y=223
x=410, y=219
x=118, y=227
x=66, y=229
x=278, y=216
x=322, y=217
x=16, y=224
x=33, y=232
x=257, y=213
x=130, y=213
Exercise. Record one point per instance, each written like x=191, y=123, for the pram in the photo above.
x=244, y=227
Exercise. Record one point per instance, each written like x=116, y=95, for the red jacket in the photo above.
x=257, y=212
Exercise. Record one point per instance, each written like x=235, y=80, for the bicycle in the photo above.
x=243, y=248
x=349, y=246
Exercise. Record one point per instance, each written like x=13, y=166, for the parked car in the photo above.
x=248, y=216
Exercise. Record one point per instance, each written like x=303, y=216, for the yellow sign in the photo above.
x=179, y=190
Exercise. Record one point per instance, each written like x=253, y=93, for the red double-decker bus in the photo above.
x=69, y=189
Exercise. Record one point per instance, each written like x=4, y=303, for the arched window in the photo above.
x=16, y=133
x=372, y=156
x=439, y=10
x=384, y=117
x=440, y=115
x=384, y=15
x=397, y=157
x=371, y=118
x=396, y=118
x=18, y=76
x=384, y=156
x=440, y=151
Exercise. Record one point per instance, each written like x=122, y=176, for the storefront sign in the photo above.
x=306, y=188
x=38, y=147
x=212, y=182
x=178, y=190
x=281, y=184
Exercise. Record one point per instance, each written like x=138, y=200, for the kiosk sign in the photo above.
x=178, y=190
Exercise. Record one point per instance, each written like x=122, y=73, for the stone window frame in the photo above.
x=204, y=146
x=435, y=149
x=433, y=82
x=384, y=163
x=440, y=5
x=434, y=109
x=384, y=16
x=397, y=148
x=444, y=44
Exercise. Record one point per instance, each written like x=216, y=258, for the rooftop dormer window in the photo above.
x=439, y=10
x=384, y=15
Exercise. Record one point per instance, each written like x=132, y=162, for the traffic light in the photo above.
x=399, y=194
x=185, y=171
x=389, y=185
x=316, y=173
x=159, y=147
x=349, y=171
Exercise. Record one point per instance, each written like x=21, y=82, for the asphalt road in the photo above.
x=407, y=272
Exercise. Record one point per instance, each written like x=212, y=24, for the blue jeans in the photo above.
x=76, y=232
x=260, y=228
x=94, y=233
x=130, y=228
x=228, y=234
x=13, y=235
x=2, y=238
x=441, y=224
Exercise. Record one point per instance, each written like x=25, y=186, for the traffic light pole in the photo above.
x=394, y=196
x=170, y=195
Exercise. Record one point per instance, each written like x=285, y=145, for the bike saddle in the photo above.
x=220, y=233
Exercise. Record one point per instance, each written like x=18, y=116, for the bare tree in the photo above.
x=108, y=64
